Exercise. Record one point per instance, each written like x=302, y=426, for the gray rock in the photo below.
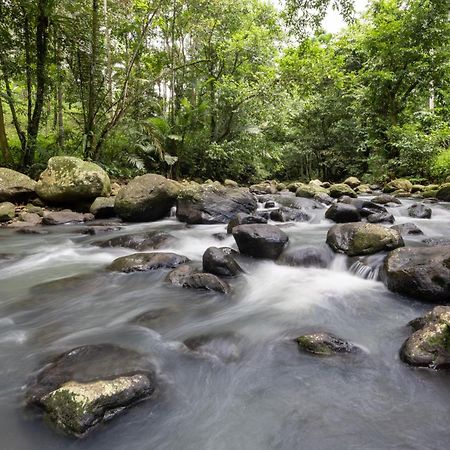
x=142, y=241
x=408, y=229
x=217, y=262
x=285, y=214
x=144, y=262
x=244, y=219
x=419, y=211
x=15, y=186
x=384, y=199
x=207, y=282
x=178, y=275
x=103, y=207
x=64, y=217
x=324, y=344
x=383, y=217
x=306, y=256
x=343, y=213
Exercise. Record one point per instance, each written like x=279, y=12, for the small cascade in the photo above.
x=364, y=271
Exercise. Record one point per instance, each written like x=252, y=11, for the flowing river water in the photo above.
x=255, y=390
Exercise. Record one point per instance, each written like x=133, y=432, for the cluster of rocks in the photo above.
x=86, y=386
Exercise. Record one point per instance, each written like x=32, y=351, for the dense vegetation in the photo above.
x=219, y=88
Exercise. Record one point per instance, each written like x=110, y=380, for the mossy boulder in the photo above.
x=429, y=345
x=443, y=193
x=146, y=198
x=400, y=184
x=103, y=207
x=324, y=344
x=69, y=180
x=230, y=183
x=420, y=272
x=338, y=190
x=310, y=190
x=15, y=186
x=7, y=211
x=353, y=182
x=358, y=239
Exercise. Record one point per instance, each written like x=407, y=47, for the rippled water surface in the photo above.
x=55, y=294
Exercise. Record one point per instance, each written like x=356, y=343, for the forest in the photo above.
x=216, y=89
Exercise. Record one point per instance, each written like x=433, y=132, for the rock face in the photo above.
x=260, y=241
x=398, y=185
x=384, y=199
x=343, y=213
x=408, y=229
x=7, y=211
x=89, y=385
x=443, y=193
x=419, y=211
x=63, y=217
x=358, y=239
x=338, y=190
x=103, y=207
x=142, y=241
x=72, y=180
x=307, y=257
x=213, y=204
x=420, y=272
x=244, y=219
x=15, y=186
x=324, y=344
x=144, y=262
x=220, y=263
x=146, y=198
x=429, y=345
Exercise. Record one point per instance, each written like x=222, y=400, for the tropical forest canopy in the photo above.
x=227, y=89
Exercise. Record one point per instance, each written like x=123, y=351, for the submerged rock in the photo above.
x=205, y=281
x=224, y=346
x=343, y=213
x=146, y=198
x=89, y=385
x=306, y=256
x=419, y=272
x=144, y=262
x=71, y=180
x=244, y=219
x=324, y=344
x=429, y=345
x=209, y=204
x=419, y=211
x=407, y=229
x=141, y=241
x=15, y=186
x=260, y=241
x=220, y=263
x=358, y=239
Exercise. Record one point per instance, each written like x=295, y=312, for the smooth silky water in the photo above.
x=55, y=295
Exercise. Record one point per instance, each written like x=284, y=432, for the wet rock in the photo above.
x=285, y=214
x=353, y=182
x=383, y=217
x=419, y=272
x=435, y=242
x=144, y=262
x=260, y=241
x=89, y=385
x=217, y=262
x=224, y=346
x=306, y=256
x=155, y=317
x=304, y=204
x=141, y=241
x=7, y=211
x=400, y=184
x=343, y=213
x=103, y=207
x=15, y=186
x=385, y=199
x=146, y=198
x=365, y=207
x=269, y=204
x=99, y=229
x=64, y=217
x=178, y=275
x=324, y=344
x=408, y=229
x=30, y=230
x=213, y=204
x=244, y=219
x=71, y=180
x=419, y=211
x=443, y=193
x=207, y=282
x=323, y=198
x=220, y=236
x=429, y=345
x=358, y=239
x=30, y=218
x=338, y=190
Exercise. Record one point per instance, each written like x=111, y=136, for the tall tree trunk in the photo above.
x=27, y=38
x=59, y=94
x=3, y=139
x=41, y=81
x=108, y=52
x=92, y=88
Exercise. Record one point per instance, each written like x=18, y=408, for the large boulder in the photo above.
x=89, y=385
x=144, y=262
x=338, y=190
x=244, y=219
x=146, y=198
x=429, y=345
x=324, y=344
x=353, y=182
x=209, y=204
x=358, y=239
x=343, y=213
x=443, y=193
x=7, y=211
x=419, y=211
x=260, y=241
x=420, y=272
x=400, y=184
x=15, y=186
x=220, y=262
x=310, y=190
x=71, y=180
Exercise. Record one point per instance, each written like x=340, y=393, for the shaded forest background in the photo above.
x=224, y=89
